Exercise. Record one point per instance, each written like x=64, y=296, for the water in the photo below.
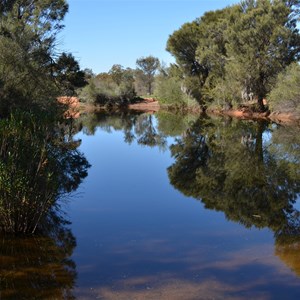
x=172, y=208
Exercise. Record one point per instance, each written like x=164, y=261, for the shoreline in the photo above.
x=276, y=117
x=151, y=105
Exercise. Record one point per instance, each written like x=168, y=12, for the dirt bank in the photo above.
x=145, y=104
x=246, y=114
x=72, y=104
x=151, y=105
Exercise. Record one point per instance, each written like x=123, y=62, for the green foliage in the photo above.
x=38, y=164
x=146, y=68
x=169, y=88
x=30, y=74
x=235, y=54
x=113, y=88
x=285, y=97
x=168, y=91
x=68, y=73
x=183, y=45
x=261, y=43
x=24, y=80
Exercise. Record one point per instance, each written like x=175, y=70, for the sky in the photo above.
x=101, y=33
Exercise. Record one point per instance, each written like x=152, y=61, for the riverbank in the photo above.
x=247, y=114
x=151, y=105
x=146, y=105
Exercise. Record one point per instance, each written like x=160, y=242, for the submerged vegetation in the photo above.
x=42, y=263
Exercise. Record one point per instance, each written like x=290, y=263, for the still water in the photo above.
x=174, y=207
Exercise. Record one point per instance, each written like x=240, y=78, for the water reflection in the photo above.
x=247, y=170
x=145, y=240
x=38, y=267
x=229, y=167
x=140, y=127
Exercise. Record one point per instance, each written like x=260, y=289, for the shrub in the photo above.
x=285, y=96
x=38, y=164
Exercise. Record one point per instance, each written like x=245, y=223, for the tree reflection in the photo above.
x=136, y=126
x=241, y=169
x=38, y=267
x=174, y=124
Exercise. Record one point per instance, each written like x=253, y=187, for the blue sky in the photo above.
x=101, y=33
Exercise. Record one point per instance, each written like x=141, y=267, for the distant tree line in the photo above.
x=121, y=86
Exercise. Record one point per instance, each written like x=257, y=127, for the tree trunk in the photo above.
x=260, y=104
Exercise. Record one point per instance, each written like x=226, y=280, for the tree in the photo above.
x=113, y=88
x=285, y=96
x=148, y=66
x=68, y=73
x=182, y=44
x=28, y=29
x=262, y=42
x=237, y=51
x=116, y=73
x=200, y=52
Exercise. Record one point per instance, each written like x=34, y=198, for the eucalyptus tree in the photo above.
x=199, y=48
x=146, y=67
x=182, y=44
x=239, y=49
x=262, y=42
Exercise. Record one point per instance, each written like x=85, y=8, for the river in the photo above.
x=173, y=207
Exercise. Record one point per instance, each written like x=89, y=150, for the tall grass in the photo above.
x=37, y=165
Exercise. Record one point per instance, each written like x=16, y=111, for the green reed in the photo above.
x=37, y=165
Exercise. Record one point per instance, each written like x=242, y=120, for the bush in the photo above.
x=285, y=96
x=38, y=164
x=104, y=90
x=169, y=91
